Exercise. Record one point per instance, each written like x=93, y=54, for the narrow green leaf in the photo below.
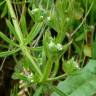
x=7, y=53
x=36, y=48
x=1, y=3
x=23, y=25
x=34, y=32
x=11, y=28
x=56, y=67
x=5, y=38
x=80, y=37
x=30, y=13
x=77, y=47
x=15, y=21
x=20, y=76
x=26, y=53
x=45, y=44
x=48, y=66
x=3, y=46
x=4, y=11
x=47, y=70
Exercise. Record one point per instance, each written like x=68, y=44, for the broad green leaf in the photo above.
x=34, y=32
x=57, y=90
x=8, y=53
x=81, y=82
x=11, y=28
x=5, y=38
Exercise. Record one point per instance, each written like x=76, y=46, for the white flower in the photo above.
x=51, y=44
x=41, y=17
x=92, y=27
x=67, y=19
x=34, y=10
x=48, y=18
x=59, y=46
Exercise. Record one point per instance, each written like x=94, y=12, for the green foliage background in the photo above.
x=50, y=41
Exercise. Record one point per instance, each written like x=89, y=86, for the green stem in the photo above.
x=56, y=67
x=24, y=49
x=15, y=21
x=57, y=78
x=83, y=19
x=26, y=52
x=47, y=71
